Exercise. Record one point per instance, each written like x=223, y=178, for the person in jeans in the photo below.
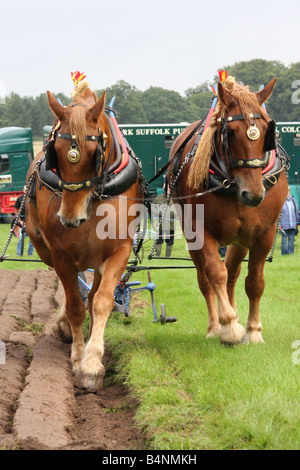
x=22, y=231
x=288, y=224
x=167, y=227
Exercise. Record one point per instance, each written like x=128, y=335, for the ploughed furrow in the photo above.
x=40, y=408
x=15, y=344
x=23, y=294
x=44, y=417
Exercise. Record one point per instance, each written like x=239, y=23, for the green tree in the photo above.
x=284, y=106
x=258, y=72
x=127, y=103
x=164, y=106
x=17, y=111
x=255, y=72
x=199, y=100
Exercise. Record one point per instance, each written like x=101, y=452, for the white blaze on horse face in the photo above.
x=74, y=209
x=250, y=189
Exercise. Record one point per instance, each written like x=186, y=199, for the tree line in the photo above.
x=159, y=105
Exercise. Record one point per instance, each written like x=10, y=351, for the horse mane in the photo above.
x=248, y=103
x=77, y=121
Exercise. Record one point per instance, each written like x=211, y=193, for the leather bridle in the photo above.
x=74, y=156
x=224, y=151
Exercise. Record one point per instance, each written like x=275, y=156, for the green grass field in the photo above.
x=12, y=252
x=194, y=393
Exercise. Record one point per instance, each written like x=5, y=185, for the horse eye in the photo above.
x=230, y=132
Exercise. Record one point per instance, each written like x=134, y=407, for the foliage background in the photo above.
x=160, y=105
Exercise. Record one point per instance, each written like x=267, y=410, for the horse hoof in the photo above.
x=255, y=337
x=232, y=334
x=212, y=333
x=91, y=383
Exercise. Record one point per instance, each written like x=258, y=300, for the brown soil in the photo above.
x=40, y=407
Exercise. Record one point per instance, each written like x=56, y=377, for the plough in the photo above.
x=123, y=294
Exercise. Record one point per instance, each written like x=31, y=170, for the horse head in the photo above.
x=238, y=136
x=245, y=134
x=76, y=153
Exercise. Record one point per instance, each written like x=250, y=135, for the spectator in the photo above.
x=288, y=224
x=22, y=231
x=167, y=228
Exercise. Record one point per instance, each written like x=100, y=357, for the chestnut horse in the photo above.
x=64, y=225
x=235, y=148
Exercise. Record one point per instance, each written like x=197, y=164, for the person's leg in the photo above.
x=169, y=241
x=291, y=240
x=158, y=248
x=30, y=248
x=284, y=248
x=19, y=245
x=159, y=242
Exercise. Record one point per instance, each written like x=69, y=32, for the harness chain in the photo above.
x=225, y=184
x=285, y=165
x=11, y=232
x=169, y=195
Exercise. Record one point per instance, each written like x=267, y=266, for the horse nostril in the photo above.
x=249, y=200
x=70, y=223
x=245, y=196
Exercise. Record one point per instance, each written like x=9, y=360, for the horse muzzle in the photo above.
x=69, y=219
x=71, y=223
x=251, y=200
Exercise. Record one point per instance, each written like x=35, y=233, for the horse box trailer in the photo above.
x=151, y=143
x=288, y=135
x=16, y=154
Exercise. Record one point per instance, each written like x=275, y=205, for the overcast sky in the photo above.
x=167, y=43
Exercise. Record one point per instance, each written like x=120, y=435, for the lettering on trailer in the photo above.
x=140, y=131
x=290, y=129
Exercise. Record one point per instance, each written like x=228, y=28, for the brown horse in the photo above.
x=236, y=150
x=67, y=225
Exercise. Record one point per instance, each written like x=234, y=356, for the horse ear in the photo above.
x=56, y=107
x=98, y=108
x=264, y=94
x=225, y=96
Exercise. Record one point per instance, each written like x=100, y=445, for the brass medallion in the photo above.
x=73, y=155
x=253, y=132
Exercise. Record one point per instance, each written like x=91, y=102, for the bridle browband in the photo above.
x=88, y=183
x=242, y=162
x=74, y=156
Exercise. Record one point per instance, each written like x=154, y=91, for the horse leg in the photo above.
x=63, y=324
x=208, y=293
x=42, y=249
x=255, y=283
x=95, y=287
x=73, y=310
x=233, y=262
x=91, y=369
x=231, y=331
